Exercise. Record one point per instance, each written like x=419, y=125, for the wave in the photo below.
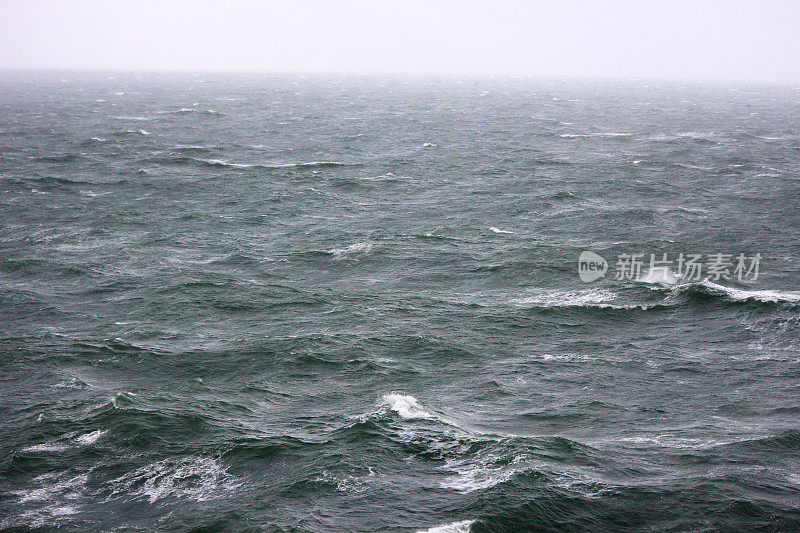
x=566, y=298
x=180, y=111
x=563, y=195
x=185, y=110
x=305, y=164
x=470, y=475
x=468, y=460
x=610, y=135
x=66, y=442
x=787, y=440
x=90, y=438
x=456, y=527
x=195, y=478
x=406, y=406
x=343, y=253
x=58, y=180
x=708, y=288
x=46, y=448
x=60, y=158
x=196, y=148
x=93, y=140
x=501, y=231
x=52, y=499
x=694, y=136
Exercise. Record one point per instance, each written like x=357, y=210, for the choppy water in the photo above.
x=352, y=304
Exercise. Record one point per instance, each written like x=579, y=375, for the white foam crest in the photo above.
x=500, y=231
x=602, y=134
x=406, y=406
x=90, y=438
x=456, y=527
x=195, y=478
x=659, y=276
x=310, y=164
x=225, y=163
x=46, y=447
x=191, y=147
x=565, y=298
x=349, y=482
x=765, y=295
x=52, y=486
x=359, y=247
x=48, y=503
x=669, y=441
x=472, y=477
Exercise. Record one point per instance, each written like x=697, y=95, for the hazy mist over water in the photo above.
x=743, y=40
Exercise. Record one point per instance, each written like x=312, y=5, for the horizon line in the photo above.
x=411, y=74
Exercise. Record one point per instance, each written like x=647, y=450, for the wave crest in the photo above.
x=708, y=288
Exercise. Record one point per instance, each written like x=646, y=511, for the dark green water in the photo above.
x=276, y=303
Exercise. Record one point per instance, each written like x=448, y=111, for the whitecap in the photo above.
x=456, y=527
x=90, y=438
x=359, y=247
x=471, y=477
x=405, y=405
x=225, y=163
x=195, y=478
x=765, y=295
x=565, y=298
x=602, y=134
x=51, y=486
x=349, y=482
x=46, y=447
x=500, y=231
x=659, y=276
x=51, y=499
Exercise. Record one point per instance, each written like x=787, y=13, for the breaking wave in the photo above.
x=709, y=289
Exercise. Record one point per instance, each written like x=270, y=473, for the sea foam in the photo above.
x=405, y=405
x=456, y=527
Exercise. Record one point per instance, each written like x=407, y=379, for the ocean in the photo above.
x=355, y=303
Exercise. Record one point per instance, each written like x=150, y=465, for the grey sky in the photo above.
x=758, y=40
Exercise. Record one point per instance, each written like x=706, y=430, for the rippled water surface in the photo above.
x=352, y=304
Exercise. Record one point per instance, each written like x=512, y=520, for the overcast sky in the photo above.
x=742, y=40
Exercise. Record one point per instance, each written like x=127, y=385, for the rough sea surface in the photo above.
x=325, y=304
